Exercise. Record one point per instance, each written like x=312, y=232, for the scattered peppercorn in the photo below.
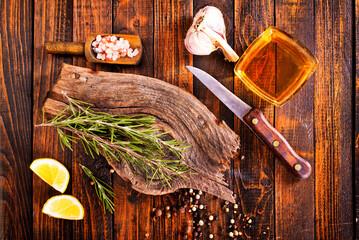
x=158, y=212
x=182, y=210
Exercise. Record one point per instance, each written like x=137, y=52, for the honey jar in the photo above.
x=275, y=66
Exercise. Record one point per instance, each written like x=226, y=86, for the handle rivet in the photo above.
x=275, y=143
x=297, y=167
x=255, y=121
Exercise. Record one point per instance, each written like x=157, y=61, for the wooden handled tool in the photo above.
x=85, y=48
x=256, y=121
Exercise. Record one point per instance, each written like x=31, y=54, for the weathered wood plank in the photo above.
x=52, y=23
x=171, y=21
x=90, y=17
x=333, y=120
x=356, y=116
x=133, y=219
x=15, y=121
x=222, y=70
x=254, y=168
x=295, y=121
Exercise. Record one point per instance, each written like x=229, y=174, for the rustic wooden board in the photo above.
x=90, y=17
x=356, y=116
x=171, y=21
x=295, y=121
x=325, y=206
x=333, y=120
x=254, y=168
x=222, y=70
x=15, y=120
x=135, y=17
x=48, y=26
x=212, y=143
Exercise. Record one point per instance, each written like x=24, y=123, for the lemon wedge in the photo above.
x=52, y=172
x=65, y=207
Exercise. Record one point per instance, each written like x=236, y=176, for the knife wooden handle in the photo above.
x=277, y=143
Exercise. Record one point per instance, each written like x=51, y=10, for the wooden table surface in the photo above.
x=321, y=122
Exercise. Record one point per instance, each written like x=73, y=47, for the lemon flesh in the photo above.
x=65, y=207
x=52, y=172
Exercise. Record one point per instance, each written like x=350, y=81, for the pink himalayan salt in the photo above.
x=110, y=48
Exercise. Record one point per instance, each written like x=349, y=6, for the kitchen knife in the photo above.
x=256, y=121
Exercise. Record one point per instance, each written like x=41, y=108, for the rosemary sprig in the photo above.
x=131, y=139
x=103, y=190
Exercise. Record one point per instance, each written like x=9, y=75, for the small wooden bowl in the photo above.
x=85, y=48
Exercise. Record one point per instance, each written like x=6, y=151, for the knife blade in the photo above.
x=256, y=121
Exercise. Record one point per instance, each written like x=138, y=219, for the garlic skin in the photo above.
x=208, y=33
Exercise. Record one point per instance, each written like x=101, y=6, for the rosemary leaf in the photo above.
x=103, y=190
x=130, y=139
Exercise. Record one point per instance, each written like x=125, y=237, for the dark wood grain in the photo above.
x=133, y=211
x=320, y=122
x=171, y=21
x=15, y=122
x=295, y=121
x=254, y=168
x=90, y=17
x=51, y=19
x=333, y=120
x=356, y=116
x=215, y=65
x=297, y=165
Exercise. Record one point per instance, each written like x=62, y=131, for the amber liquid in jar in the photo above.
x=276, y=66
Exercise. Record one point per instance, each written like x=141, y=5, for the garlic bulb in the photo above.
x=208, y=33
